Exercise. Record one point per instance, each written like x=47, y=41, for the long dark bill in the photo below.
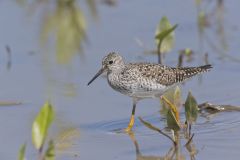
x=96, y=75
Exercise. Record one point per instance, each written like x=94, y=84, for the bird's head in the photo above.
x=110, y=63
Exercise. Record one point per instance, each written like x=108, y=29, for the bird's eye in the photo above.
x=110, y=62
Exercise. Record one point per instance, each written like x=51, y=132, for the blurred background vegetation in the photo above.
x=63, y=38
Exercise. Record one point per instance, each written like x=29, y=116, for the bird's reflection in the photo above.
x=174, y=152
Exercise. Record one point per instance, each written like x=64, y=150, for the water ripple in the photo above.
x=221, y=122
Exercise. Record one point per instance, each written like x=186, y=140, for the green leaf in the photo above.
x=172, y=122
x=149, y=125
x=50, y=152
x=165, y=35
x=174, y=96
x=164, y=106
x=172, y=107
x=21, y=154
x=41, y=124
x=191, y=109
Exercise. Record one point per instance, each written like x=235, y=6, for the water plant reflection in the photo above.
x=65, y=140
x=211, y=21
x=174, y=152
x=68, y=25
x=63, y=24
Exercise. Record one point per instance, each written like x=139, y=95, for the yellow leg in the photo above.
x=131, y=122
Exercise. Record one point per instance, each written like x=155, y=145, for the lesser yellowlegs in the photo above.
x=143, y=80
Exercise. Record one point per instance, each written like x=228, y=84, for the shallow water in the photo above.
x=95, y=111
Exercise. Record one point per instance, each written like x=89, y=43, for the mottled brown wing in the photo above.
x=167, y=75
x=179, y=75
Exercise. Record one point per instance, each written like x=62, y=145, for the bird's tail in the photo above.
x=192, y=71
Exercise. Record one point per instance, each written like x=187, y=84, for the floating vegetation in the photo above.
x=214, y=108
x=207, y=109
x=10, y=103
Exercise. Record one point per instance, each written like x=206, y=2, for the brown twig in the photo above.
x=147, y=124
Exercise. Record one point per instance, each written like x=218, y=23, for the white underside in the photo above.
x=155, y=93
x=148, y=94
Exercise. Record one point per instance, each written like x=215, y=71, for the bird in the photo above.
x=143, y=80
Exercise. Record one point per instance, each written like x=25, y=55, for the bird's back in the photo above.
x=151, y=80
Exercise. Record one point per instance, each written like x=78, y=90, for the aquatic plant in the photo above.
x=164, y=37
x=191, y=111
x=169, y=38
x=173, y=118
x=175, y=125
x=40, y=129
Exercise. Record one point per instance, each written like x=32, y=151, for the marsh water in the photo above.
x=38, y=63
